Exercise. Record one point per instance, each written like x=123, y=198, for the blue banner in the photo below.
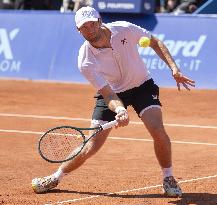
x=125, y=6
x=39, y=45
x=44, y=46
x=191, y=41
x=208, y=7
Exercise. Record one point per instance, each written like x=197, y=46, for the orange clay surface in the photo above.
x=124, y=166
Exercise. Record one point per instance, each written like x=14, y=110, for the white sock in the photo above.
x=59, y=174
x=167, y=172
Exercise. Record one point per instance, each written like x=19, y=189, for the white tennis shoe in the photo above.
x=171, y=187
x=44, y=184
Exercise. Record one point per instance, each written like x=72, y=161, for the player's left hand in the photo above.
x=122, y=118
x=181, y=79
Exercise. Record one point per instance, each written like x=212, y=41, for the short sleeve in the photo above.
x=87, y=67
x=137, y=32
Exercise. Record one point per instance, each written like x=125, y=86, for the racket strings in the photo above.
x=62, y=143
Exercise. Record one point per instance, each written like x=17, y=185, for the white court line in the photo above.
x=173, y=141
x=115, y=138
x=84, y=119
x=127, y=191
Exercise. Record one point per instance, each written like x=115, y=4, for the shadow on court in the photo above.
x=196, y=198
x=186, y=199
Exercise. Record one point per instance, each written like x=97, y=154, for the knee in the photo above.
x=157, y=129
x=158, y=132
x=89, y=150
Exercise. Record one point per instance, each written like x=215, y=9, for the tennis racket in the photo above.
x=64, y=143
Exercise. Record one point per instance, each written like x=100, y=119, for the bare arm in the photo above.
x=165, y=55
x=115, y=104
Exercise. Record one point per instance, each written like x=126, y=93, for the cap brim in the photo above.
x=86, y=20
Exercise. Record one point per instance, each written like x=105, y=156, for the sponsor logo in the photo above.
x=87, y=14
x=127, y=6
x=120, y=6
x=185, y=52
x=102, y=5
x=7, y=59
x=147, y=6
x=185, y=48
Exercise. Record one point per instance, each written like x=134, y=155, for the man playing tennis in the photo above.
x=109, y=59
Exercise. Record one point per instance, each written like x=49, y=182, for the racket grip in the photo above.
x=109, y=125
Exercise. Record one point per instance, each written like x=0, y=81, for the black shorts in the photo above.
x=139, y=98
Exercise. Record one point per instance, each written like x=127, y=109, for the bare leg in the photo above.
x=90, y=149
x=152, y=118
x=44, y=184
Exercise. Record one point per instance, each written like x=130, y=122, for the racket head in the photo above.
x=61, y=144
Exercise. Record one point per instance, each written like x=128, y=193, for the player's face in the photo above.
x=91, y=31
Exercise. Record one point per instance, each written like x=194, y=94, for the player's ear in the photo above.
x=78, y=29
x=100, y=21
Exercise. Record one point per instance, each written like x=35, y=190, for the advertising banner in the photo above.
x=39, y=45
x=45, y=45
x=191, y=39
x=192, y=42
x=125, y=6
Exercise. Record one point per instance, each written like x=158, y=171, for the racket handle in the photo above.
x=109, y=125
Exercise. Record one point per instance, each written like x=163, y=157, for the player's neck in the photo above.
x=104, y=39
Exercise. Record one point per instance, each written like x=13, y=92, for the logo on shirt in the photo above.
x=124, y=41
x=155, y=97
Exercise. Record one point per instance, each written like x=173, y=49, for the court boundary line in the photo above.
x=116, y=138
x=85, y=119
x=127, y=191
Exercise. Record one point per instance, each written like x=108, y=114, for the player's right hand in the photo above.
x=122, y=117
x=181, y=79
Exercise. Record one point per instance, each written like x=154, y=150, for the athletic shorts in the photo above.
x=140, y=98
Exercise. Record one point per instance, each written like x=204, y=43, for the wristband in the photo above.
x=119, y=109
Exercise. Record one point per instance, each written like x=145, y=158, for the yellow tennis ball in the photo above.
x=144, y=42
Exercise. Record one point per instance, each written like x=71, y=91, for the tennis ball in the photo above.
x=144, y=42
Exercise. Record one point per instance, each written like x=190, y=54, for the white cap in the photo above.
x=85, y=14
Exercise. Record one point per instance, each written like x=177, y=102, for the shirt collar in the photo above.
x=111, y=28
x=98, y=50
x=93, y=49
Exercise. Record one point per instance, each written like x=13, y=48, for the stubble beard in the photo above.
x=95, y=39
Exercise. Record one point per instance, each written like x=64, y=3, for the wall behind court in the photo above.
x=39, y=46
x=44, y=46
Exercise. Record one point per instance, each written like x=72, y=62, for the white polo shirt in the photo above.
x=120, y=66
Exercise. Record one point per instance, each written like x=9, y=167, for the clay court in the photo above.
x=125, y=171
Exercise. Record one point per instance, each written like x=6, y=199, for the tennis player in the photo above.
x=110, y=61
